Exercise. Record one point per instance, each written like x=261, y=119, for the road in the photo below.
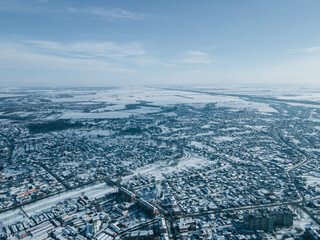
x=137, y=227
x=54, y=175
x=289, y=171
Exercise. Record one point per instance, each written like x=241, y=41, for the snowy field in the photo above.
x=157, y=170
x=148, y=100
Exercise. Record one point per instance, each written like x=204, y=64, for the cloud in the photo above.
x=46, y=7
x=195, y=57
x=74, y=56
x=307, y=50
x=108, y=14
x=89, y=49
x=197, y=53
x=24, y=6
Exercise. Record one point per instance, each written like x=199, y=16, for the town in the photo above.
x=149, y=163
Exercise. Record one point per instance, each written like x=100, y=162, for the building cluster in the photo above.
x=242, y=139
x=81, y=218
x=25, y=184
x=142, y=203
x=195, y=166
x=312, y=234
x=268, y=220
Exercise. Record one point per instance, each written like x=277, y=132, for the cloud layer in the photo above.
x=196, y=57
x=108, y=14
x=306, y=50
x=81, y=56
x=104, y=63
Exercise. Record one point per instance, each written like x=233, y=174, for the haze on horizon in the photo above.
x=46, y=43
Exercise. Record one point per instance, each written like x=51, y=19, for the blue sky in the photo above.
x=105, y=43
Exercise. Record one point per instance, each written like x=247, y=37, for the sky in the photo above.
x=92, y=43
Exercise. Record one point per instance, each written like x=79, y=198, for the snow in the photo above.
x=313, y=178
x=12, y=216
x=206, y=133
x=78, y=115
x=99, y=132
x=111, y=114
x=224, y=139
x=201, y=146
x=93, y=191
x=303, y=220
x=157, y=170
x=242, y=104
x=118, y=98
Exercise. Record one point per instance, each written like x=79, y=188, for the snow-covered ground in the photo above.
x=224, y=139
x=157, y=170
x=92, y=191
x=303, y=220
x=313, y=178
x=118, y=98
